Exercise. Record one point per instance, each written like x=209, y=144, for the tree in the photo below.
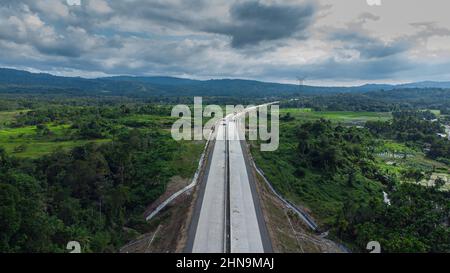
x=439, y=183
x=9, y=216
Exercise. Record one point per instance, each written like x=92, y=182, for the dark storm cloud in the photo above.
x=254, y=22
x=250, y=22
x=165, y=12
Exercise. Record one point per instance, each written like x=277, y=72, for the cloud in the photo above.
x=254, y=22
x=373, y=2
x=99, y=6
x=27, y=27
x=429, y=29
x=167, y=14
x=257, y=39
x=73, y=2
x=54, y=8
x=367, y=16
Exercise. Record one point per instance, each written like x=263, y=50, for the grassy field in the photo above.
x=357, y=118
x=436, y=112
x=7, y=117
x=25, y=142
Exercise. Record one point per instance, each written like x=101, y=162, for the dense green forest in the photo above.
x=416, y=220
x=376, y=101
x=87, y=190
x=416, y=129
x=332, y=168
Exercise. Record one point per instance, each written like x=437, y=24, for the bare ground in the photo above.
x=176, y=183
x=169, y=229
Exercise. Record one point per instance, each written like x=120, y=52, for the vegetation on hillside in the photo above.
x=332, y=168
x=103, y=167
x=417, y=128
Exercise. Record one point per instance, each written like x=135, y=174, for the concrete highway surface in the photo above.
x=245, y=231
x=210, y=235
x=227, y=216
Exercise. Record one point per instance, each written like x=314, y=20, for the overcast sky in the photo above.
x=330, y=42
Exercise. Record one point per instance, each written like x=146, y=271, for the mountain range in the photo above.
x=18, y=81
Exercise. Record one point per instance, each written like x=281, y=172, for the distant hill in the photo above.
x=386, y=87
x=17, y=81
x=425, y=84
x=153, y=80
